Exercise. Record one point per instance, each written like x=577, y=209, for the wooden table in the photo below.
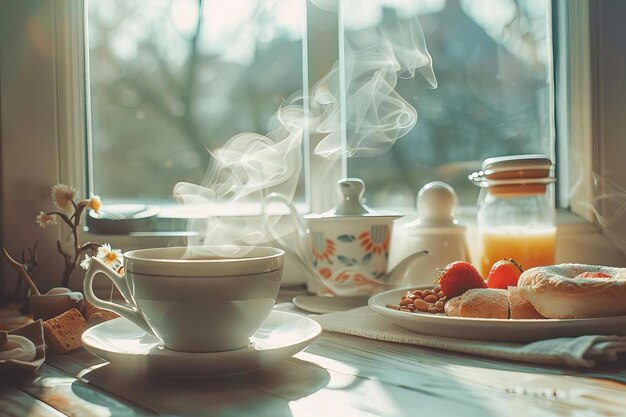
x=338, y=375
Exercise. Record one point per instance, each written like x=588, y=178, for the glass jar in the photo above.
x=516, y=216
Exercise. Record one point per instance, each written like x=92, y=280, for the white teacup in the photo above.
x=196, y=299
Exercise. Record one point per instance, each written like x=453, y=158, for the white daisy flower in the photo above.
x=86, y=262
x=44, y=219
x=95, y=203
x=62, y=196
x=111, y=257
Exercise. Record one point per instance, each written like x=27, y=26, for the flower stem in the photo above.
x=62, y=216
x=89, y=246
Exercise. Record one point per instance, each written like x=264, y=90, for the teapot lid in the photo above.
x=351, y=203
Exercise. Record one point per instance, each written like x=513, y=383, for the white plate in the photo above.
x=124, y=344
x=492, y=329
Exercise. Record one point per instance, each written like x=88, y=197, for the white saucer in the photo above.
x=322, y=305
x=124, y=344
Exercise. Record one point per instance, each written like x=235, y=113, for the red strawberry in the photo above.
x=593, y=275
x=459, y=277
x=504, y=274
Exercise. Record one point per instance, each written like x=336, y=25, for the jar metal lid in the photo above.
x=516, y=162
x=514, y=175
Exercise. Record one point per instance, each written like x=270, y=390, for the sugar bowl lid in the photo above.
x=436, y=206
x=351, y=203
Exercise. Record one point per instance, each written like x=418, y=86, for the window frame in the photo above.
x=64, y=122
x=320, y=191
x=573, y=96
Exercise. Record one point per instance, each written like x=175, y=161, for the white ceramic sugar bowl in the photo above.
x=435, y=230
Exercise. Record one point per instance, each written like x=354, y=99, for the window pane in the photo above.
x=491, y=60
x=171, y=79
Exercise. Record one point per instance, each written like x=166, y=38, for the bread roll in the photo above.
x=519, y=308
x=484, y=303
x=452, y=307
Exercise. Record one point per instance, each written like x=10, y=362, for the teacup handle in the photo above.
x=97, y=266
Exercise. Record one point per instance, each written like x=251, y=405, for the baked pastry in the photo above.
x=519, y=307
x=484, y=303
x=96, y=315
x=575, y=290
x=62, y=333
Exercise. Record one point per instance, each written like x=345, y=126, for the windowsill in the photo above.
x=171, y=220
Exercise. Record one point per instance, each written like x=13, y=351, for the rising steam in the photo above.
x=603, y=199
x=248, y=167
x=354, y=108
x=375, y=115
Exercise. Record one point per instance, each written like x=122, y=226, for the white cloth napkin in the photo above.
x=583, y=351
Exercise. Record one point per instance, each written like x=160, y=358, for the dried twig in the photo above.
x=29, y=258
x=21, y=270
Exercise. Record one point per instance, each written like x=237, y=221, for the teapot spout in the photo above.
x=405, y=270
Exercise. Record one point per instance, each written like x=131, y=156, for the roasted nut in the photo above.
x=420, y=305
x=431, y=298
x=431, y=301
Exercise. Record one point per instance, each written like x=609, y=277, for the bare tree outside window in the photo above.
x=172, y=80
x=491, y=62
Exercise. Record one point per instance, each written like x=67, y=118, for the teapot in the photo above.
x=344, y=251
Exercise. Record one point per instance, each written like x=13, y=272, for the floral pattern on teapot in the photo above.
x=347, y=282
x=376, y=241
x=322, y=249
x=366, y=251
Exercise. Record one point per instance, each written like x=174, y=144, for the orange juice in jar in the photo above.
x=516, y=218
x=528, y=247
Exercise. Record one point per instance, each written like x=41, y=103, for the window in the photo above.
x=492, y=63
x=169, y=81
x=40, y=80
